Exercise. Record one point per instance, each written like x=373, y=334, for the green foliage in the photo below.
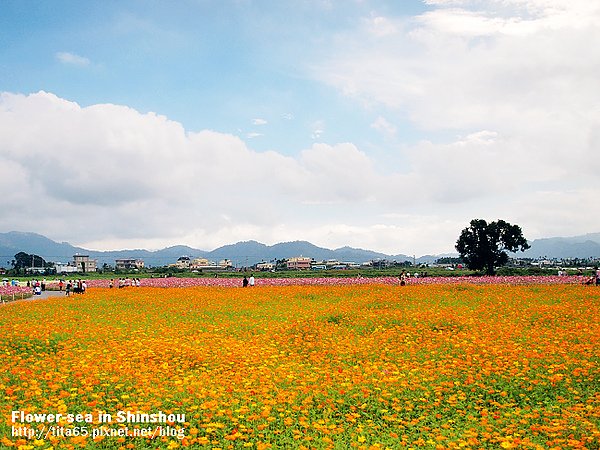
x=449, y=260
x=24, y=260
x=525, y=271
x=483, y=245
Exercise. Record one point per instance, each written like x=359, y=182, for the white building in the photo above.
x=65, y=267
x=83, y=263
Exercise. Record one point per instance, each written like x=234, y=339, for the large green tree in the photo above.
x=483, y=246
x=24, y=261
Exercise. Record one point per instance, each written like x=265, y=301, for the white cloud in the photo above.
x=259, y=122
x=109, y=176
x=337, y=173
x=107, y=173
x=383, y=126
x=468, y=68
x=515, y=79
x=72, y=59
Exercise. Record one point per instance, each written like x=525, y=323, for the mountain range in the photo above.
x=582, y=247
x=251, y=252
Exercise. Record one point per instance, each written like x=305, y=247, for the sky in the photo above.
x=378, y=124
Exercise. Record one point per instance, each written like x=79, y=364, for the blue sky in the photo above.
x=377, y=124
x=228, y=66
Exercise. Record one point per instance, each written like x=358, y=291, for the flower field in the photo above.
x=346, y=281
x=363, y=366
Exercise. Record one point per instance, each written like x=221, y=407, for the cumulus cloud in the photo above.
x=108, y=176
x=515, y=80
x=340, y=172
x=107, y=173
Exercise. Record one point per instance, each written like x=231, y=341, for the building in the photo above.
x=183, y=262
x=84, y=264
x=205, y=264
x=225, y=264
x=201, y=263
x=129, y=264
x=265, y=266
x=65, y=268
x=298, y=263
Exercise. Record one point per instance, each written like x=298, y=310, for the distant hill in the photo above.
x=585, y=246
x=15, y=241
x=251, y=252
x=241, y=254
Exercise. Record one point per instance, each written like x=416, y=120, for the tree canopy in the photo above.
x=24, y=261
x=483, y=246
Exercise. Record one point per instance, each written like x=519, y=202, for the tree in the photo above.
x=449, y=260
x=24, y=261
x=483, y=245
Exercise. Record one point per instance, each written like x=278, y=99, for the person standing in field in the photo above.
x=251, y=280
x=402, y=278
x=245, y=281
x=597, y=276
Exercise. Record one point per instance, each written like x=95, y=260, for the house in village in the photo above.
x=80, y=263
x=129, y=264
x=84, y=264
x=183, y=262
x=298, y=263
x=265, y=266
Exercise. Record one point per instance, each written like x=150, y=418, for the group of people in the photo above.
x=37, y=285
x=594, y=279
x=124, y=282
x=248, y=281
x=404, y=276
x=75, y=287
